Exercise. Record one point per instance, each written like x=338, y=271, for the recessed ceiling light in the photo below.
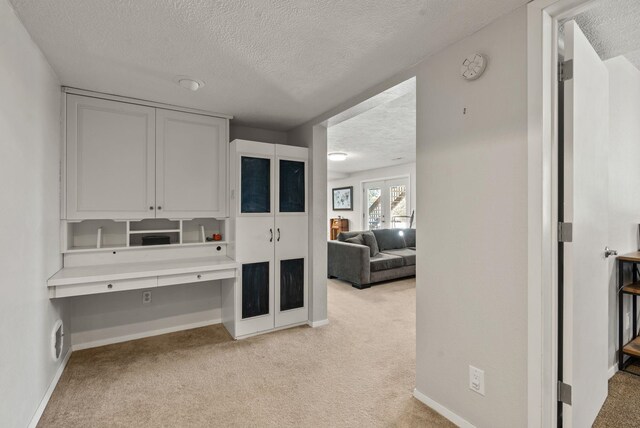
x=337, y=156
x=188, y=83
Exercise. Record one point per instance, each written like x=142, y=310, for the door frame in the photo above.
x=363, y=183
x=543, y=17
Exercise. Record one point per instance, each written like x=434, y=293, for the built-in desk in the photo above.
x=83, y=280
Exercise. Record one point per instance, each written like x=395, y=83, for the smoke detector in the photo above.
x=473, y=66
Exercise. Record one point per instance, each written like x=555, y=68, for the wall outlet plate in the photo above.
x=476, y=380
x=146, y=297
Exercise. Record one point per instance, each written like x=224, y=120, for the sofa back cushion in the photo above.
x=371, y=242
x=343, y=236
x=358, y=239
x=410, y=237
x=389, y=239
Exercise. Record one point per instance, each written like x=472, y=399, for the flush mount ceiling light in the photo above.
x=337, y=156
x=188, y=83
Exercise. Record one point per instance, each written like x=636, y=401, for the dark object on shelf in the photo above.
x=155, y=240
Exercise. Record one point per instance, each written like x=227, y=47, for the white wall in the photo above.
x=30, y=135
x=105, y=318
x=472, y=263
x=624, y=176
x=356, y=179
x=256, y=134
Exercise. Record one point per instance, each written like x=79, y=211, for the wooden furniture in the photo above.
x=269, y=237
x=632, y=347
x=127, y=161
x=336, y=226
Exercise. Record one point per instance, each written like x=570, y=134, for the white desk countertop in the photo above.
x=113, y=272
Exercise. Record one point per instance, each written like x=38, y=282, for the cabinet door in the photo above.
x=291, y=270
x=292, y=229
x=191, y=165
x=255, y=237
x=110, y=159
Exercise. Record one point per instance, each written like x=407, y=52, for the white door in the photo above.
x=386, y=204
x=291, y=249
x=585, y=279
x=253, y=198
x=110, y=159
x=191, y=165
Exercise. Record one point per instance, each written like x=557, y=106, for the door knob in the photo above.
x=609, y=252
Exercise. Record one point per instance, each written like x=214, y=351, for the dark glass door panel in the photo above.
x=255, y=185
x=255, y=289
x=292, y=186
x=291, y=284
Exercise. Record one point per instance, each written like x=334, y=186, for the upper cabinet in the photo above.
x=127, y=161
x=111, y=159
x=191, y=165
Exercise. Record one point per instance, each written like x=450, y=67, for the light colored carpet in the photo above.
x=622, y=407
x=358, y=371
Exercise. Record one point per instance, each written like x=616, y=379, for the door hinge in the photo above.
x=565, y=70
x=564, y=393
x=565, y=232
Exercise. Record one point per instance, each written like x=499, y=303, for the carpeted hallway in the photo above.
x=357, y=371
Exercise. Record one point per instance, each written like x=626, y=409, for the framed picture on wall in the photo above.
x=343, y=198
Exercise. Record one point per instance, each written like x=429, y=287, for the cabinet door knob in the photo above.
x=159, y=207
x=199, y=276
x=109, y=285
x=271, y=232
x=151, y=208
x=278, y=234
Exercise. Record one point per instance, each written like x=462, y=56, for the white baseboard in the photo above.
x=151, y=333
x=320, y=323
x=613, y=370
x=47, y=396
x=456, y=419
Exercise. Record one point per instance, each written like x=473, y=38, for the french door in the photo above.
x=386, y=204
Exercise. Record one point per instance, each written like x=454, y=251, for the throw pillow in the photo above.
x=358, y=239
x=370, y=241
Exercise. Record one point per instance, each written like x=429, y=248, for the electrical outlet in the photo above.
x=476, y=380
x=146, y=297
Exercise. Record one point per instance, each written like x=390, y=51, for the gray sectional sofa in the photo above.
x=366, y=257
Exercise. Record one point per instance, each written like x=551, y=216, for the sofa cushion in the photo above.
x=389, y=239
x=409, y=237
x=358, y=239
x=408, y=255
x=343, y=236
x=383, y=261
x=371, y=242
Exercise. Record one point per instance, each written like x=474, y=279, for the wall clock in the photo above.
x=473, y=66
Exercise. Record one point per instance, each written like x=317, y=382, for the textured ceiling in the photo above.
x=270, y=63
x=380, y=136
x=613, y=28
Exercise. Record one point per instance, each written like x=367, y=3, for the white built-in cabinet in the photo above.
x=269, y=234
x=126, y=161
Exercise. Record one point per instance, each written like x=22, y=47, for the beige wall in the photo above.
x=30, y=135
x=472, y=259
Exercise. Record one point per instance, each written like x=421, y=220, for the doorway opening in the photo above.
x=597, y=209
